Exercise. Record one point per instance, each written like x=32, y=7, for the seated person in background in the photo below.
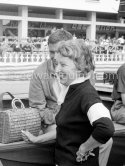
x=121, y=40
x=44, y=86
x=83, y=122
x=118, y=95
x=27, y=48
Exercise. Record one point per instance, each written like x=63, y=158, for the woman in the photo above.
x=83, y=122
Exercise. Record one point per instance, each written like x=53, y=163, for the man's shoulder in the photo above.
x=122, y=67
x=121, y=70
x=42, y=67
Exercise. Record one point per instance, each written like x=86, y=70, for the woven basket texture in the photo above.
x=13, y=121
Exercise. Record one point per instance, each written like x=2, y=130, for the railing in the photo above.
x=114, y=58
x=109, y=53
x=16, y=68
x=107, y=61
x=20, y=66
x=23, y=57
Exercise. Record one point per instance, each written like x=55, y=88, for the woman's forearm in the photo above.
x=103, y=131
x=86, y=147
x=91, y=143
x=46, y=137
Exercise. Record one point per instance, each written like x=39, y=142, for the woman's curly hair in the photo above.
x=80, y=53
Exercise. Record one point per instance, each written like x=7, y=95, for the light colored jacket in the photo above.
x=41, y=93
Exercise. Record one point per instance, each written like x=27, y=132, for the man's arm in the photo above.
x=36, y=94
x=37, y=99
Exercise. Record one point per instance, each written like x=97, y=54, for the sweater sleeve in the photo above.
x=98, y=116
x=103, y=130
x=36, y=93
x=89, y=98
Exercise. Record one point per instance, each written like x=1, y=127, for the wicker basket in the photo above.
x=12, y=121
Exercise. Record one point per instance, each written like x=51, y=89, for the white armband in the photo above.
x=97, y=111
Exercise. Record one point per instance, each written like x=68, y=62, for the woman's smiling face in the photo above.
x=66, y=69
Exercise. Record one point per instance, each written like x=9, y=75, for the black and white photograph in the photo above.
x=62, y=83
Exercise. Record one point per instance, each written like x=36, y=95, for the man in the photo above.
x=45, y=89
x=44, y=86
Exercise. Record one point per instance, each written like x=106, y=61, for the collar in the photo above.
x=65, y=89
x=51, y=68
x=80, y=80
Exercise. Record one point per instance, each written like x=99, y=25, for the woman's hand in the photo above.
x=80, y=153
x=83, y=153
x=28, y=137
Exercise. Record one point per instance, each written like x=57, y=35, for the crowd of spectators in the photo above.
x=33, y=44
x=107, y=45
x=12, y=44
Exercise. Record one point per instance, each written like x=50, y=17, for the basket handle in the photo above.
x=1, y=98
x=16, y=100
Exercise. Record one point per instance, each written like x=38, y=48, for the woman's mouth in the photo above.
x=62, y=76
